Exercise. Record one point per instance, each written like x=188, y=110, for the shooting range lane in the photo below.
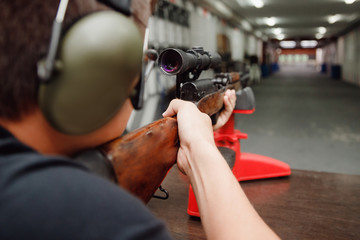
x=306, y=205
x=305, y=119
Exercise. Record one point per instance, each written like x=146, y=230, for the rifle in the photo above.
x=140, y=160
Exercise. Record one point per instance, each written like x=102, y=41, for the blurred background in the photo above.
x=303, y=57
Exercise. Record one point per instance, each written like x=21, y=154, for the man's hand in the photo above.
x=229, y=103
x=195, y=131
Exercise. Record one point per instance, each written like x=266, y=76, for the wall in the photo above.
x=346, y=53
x=202, y=31
x=237, y=44
x=330, y=56
x=351, y=58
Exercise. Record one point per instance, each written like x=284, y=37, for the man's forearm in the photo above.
x=225, y=210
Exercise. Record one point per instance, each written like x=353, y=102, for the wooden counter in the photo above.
x=306, y=205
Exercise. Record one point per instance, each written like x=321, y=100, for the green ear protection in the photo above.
x=92, y=71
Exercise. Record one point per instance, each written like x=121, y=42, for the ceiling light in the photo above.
x=246, y=25
x=277, y=31
x=258, y=34
x=334, y=18
x=351, y=17
x=280, y=37
x=349, y=1
x=242, y=3
x=257, y=3
x=222, y=8
x=308, y=43
x=288, y=44
x=319, y=35
x=270, y=21
x=322, y=30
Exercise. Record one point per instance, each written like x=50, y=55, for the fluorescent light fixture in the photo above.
x=258, y=34
x=280, y=37
x=246, y=25
x=349, y=1
x=242, y=3
x=334, y=18
x=308, y=43
x=319, y=35
x=322, y=30
x=351, y=17
x=270, y=21
x=288, y=44
x=222, y=8
x=277, y=31
x=257, y=3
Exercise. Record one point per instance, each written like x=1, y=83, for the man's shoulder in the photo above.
x=50, y=196
x=19, y=161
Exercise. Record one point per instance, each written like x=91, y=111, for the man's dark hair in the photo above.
x=25, y=29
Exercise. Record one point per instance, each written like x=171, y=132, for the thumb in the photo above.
x=172, y=109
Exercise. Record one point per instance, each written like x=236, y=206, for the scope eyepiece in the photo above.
x=170, y=61
x=175, y=61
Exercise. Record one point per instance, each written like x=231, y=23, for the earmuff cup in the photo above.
x=98, y=60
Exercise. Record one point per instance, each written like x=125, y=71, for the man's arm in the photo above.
x=224, y=208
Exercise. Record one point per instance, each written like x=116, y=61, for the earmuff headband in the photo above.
x=46, y=66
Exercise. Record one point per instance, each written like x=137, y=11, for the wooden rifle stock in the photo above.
x=142, y=158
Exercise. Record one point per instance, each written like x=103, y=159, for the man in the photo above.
x=44, y=195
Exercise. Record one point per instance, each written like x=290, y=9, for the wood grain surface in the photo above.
x=306, y=205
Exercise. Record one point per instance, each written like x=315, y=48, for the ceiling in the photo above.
x=293, y=19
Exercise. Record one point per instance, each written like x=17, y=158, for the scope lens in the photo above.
x=170, y=61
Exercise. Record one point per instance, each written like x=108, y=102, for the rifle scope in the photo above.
x=175, y=61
